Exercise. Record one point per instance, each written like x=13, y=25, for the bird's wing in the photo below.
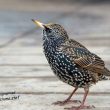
x=83, y=57
x=74, y=43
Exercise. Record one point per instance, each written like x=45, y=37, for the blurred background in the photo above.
x=83, y=19
x=23, y=66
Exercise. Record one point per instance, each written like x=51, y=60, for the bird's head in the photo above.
x=52, y=31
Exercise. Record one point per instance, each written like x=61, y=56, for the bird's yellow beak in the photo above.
x=38, y=23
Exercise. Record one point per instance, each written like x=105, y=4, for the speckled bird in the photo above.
x=71, y=62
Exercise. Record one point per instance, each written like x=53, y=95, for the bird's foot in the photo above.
x=80, y=107
x=61, y=103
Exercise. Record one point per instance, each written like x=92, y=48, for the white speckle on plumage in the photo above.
x=68, y=58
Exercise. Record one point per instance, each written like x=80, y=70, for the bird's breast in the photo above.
x=58, y=61
x=65, y=69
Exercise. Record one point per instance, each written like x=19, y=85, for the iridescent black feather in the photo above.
x=71, y=61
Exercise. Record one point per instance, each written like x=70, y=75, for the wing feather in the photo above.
x=82, y=56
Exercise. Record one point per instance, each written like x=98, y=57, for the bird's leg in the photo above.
x=68, y=99
x=82, y=106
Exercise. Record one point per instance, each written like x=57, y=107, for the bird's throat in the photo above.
x=52, y=42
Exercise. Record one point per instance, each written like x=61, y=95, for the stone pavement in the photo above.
x=23, y=66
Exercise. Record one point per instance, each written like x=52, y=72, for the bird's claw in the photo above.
x=61, y=103
x=80, y=107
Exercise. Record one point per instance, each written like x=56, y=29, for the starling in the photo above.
x=71, y=62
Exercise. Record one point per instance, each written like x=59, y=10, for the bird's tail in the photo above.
x=106, y=72
x=105, y=75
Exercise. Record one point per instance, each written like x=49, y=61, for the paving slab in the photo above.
x=43, y=102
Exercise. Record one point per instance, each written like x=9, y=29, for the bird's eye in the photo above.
x=48, y=30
